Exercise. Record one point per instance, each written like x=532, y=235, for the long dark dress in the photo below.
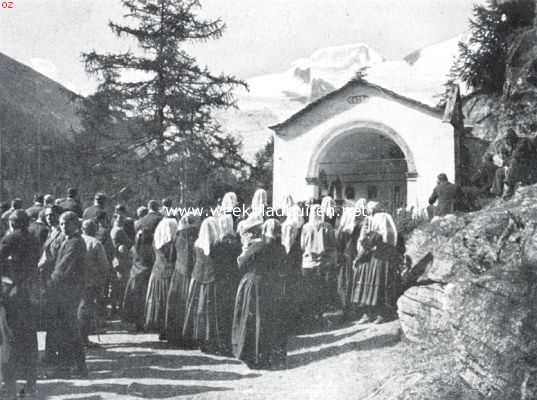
x=201, y=318
x=158, y=287
x=136, y=288
x=227, y=280
x=178, y=293
x=293, y=287
x=346, y=249
x=377, y=281
x=257, y=320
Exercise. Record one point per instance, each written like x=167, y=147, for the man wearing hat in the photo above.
x=97, y=267
x=35, y=209
x=150, y=221
x=19, y=253
x=71, y=203
x=445, y=195
x=98, y=206
x=65, y=287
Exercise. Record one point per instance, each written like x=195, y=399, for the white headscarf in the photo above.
x=347, y=223
x=165, y=232
x=229, y=202
x=315, y=217
x=313, y=238
x=361, y=207
x=383, y=224
x=187, y=220
x=208, y=235
x=288, y=203
x=291, y=227
x=328, y=207
x=225, y=225
x=271, y=229
x=259, y=201
x=372, y=207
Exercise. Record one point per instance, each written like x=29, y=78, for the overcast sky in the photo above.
x=261, y=36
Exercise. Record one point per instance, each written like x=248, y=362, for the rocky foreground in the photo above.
x=473, y=290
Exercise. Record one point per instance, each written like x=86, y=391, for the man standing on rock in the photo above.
x=445, y=195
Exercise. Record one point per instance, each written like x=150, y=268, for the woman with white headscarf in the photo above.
x=225, y=253
x=318, y=244
x=346, y=238
x=257, y=336
x=376, y=278
x=229, y=206
x=201, y=324
x=187, y=232
x=292, y=284
x=159, y=281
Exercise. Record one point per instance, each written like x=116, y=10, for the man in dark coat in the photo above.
x=35, y=209
x=522, y=166
x=98, y=207
x=151, y=220
x=19, y=252
x=16, y=204
x=483, y=179
x=96, y=269
x=46, y=265
x=65, y=286
x=444, y=194
x=39, y=228
x=71, y=203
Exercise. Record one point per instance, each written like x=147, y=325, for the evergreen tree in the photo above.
x=172, y=98
x=481, y=63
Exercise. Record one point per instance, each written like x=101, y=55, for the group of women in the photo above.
x=240, y=288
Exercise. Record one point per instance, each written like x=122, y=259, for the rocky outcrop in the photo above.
x=475, y=285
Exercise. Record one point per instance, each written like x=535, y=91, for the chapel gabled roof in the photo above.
x=434, y=111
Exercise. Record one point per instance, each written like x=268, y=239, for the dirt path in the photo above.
x=345, y=363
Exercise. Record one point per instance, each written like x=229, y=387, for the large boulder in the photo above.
x=475, y=285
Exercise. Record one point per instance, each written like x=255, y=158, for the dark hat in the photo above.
x=19, y=218
x=100, y=196
x=167, y=202
x=120, y=208
x=153, y=205
x=89, y=227
x=442, y=177
x=16, y=203
x=69, y=216
x=72, y=192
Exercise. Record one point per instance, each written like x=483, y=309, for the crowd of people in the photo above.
x=228, y=284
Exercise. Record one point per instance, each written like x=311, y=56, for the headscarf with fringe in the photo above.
x=165, y=232
x=208, y=235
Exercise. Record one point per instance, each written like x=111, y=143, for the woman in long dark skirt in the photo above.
x=376, y=278
x=187, y=233
x=292, y=288
x=346, y=239
x=159, y=281
x=202, y=325
x=225, y=253
x=257, y=320
x=318, y=244
x=143, y=258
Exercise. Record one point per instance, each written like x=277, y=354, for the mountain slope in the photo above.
x=29, y=99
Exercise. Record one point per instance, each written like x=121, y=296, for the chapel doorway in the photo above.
x=367, y=164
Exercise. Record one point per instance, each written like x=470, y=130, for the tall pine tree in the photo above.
x=481, y=63
x=172, y=97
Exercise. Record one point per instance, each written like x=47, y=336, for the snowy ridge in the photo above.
x=274, y=97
